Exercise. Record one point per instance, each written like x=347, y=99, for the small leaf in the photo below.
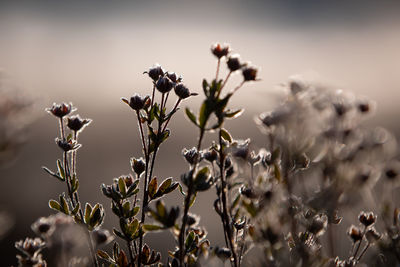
x=181, y=189
x=251, y=209
x=122, y=186
x=277, y=172
x=161, y=211
x=88, y=211
x=191, y=116
x=54, y=205
x=205, y=87
x=60, y=169
x=164, y=185
x=76, y=209
x=125, y=100
x=64, y=205
x=119, y=234
x=53, y=174
x=152, y=187
x=233, y=114
x=192, y=200
x=134, y=212
x=102, y=254
x=226, y=135
x=203, y=115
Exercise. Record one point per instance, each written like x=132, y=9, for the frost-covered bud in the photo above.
x=76, y=123
x=220, y=50
x=67, y=145
x=211, y=155
x=233, y=62
x=136, y=102
x=192, y=155
x=355, y=233
x=367, y=218
x=155, y=72
x=249, y=73
x=60, y=110
x=164, y=85
x=138, y=165
x=182, y=91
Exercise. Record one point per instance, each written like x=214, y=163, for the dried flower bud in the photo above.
x=211, y=155
x=67, y=145
x=182, y=91
x=372, y=235
x=138, y=165
x=155, y=72
x=249, y=73
x=191, y=155
x=355, y=233
x=192, y=219
x=76, y=123
x=233, y=62
x=136, y=102
x=61, y=110
x=367, y=218
x=220, y=50
x=173, y=77
x=164, y=84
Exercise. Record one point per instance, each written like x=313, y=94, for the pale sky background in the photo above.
x=94, y=52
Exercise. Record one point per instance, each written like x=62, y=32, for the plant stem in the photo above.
x=226, y=220
x=359, y=242
x=363, y=252
x=223, y=84
x=176, y=106
x=187, y=205
x=217, y=72
x=141, y=134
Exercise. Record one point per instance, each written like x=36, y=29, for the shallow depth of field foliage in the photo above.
x=283, y=202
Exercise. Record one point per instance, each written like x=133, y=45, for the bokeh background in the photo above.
x=92, y=53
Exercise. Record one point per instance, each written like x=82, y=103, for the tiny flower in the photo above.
x=220, y=50
x=155, y=72
x=241, y=150
x=138, y=165
x=367, y=218
x=136, y=102
x=76, y=123
x=233, y=62
x=355, y=233
x=372, y=235
x=318, y=225
x=164, y=84
x=249, y=73
x=60, y=110
x=67, y=145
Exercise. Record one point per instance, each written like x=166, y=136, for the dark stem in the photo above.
x=128, y=243
x=175, y=107
x=141, y=134
x=217, y=72
x=226, y=220
x=62, y=129
x=359, y=242
x=223, y=84
x=187, y=204
x=238, y=87
x=363, y=252
x=152, y=96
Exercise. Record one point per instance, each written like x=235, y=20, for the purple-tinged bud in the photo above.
x=249, y=73
x=67, y=145
x=76, y=123
x=173, y=77
x=211, y=155
x=220, y=50
x=136, y=102
x=155, y=72
x=182, y=91
x=164, y=84
x=192, y=155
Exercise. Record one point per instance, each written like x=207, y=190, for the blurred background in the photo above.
x=92, y=53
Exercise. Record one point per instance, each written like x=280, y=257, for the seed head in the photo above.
x=164, y=84
x=155, y=72
x=233, y=62
x=136, y=102
x=76, y=123
x=249, y=73
x=61, y=110
x=220, y=50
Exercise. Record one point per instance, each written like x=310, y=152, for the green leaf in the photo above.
x=134, y=211
x=181, y=189
x=125, y=101
x=126, y=207
x=88, y=211
x=102, y=254
x=192, y=200
x=226, y=135
x=151, y=227
x=119, y=234
x=61, y=170
x=161, y=211
x=233, y=114
x=69, y=137
x=251, y=209
x=191, y=116
x=203, y=115
x=53, y=174
x=165, y=135
x=122, y=186
x=64, y=204
x=205, y=87
x=54, y=205
x=164, y=185
x=277, y=172
x=189, y=241
x=152, y=187
x=76, y=209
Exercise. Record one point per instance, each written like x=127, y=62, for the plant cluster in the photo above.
x=284, y=201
